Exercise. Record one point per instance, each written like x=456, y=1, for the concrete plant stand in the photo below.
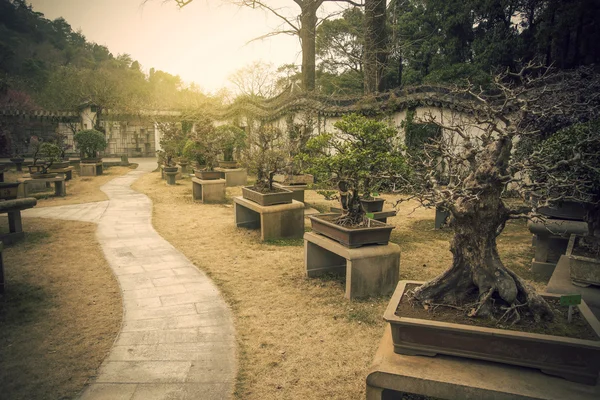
x=275, y=222
x=90, y=169
x=171, y=177
x=15, y=226
x=551, y=237
x=446, y=377
x=370, y=270
x=235, y=177
x=208, y=191
x=298, y=190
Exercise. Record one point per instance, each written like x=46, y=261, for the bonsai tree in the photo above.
x=476, y=148
x=50, y=153
x=172, y=141
x=205, y=143
x=359, y=156
x=90, y=142
x=298, y=135
x=232, y=140
x=566, y=167
x=265, y=155
x=193, y=151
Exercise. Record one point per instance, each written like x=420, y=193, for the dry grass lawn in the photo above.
x=299, y=338
x=80, y=189
x=60, y=313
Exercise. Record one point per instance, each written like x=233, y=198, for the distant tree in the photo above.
x=257, y=79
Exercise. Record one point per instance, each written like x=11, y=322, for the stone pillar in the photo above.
x=171, y=177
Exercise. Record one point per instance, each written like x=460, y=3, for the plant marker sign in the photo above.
x=570, y=300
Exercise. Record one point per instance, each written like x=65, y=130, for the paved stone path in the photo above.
x=177, y=340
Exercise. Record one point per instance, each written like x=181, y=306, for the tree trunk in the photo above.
x=477, y=268
x=308, y=28
x=375, y=48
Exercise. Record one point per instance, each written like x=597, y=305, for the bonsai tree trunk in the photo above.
x=479, y=216
x=353, y=213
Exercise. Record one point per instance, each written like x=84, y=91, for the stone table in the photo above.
x=208, y=190
x=275, y=222
x=370, y=270
x=456, y=378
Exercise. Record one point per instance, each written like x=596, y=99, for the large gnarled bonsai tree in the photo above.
x=358, y=156
x=476, y=150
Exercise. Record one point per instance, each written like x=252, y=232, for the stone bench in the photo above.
x=209, y=190
x=275, y=222
x=60, y=187
x=370, y=270
x=456, y=378
x=13, y=209
x=550, y=238
x=67, y=172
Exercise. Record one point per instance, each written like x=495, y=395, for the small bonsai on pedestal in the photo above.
x=50, y=153
x=90, y=142
x=358, y=156
x=265, y=157
x=232, y=140
x=171, y=142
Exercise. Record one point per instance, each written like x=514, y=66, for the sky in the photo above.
x=204, y=42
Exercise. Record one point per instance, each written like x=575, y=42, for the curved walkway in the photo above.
x=177, y=339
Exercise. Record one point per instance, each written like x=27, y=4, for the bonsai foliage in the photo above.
x=50, y=153
x=298, y=135
x=204, y=143
x=566, y=167
x=90, y=142
x=193, y=151
x=172, y=142
x=360, y=155
x=266, y=155
x=476, y=152
x=232, y=140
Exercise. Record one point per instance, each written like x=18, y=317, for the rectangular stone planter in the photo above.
x=584, y=270
x=208, y=175
x=573, y=359
x=297, y=189
x=267, y=199
x=294, y=179
x=378, y=233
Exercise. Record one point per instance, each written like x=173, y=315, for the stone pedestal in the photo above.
x=124, y=160
x=90, y=169
x=370, y=270
x=551, y=237
x=208, y=191
x=275, y=222
x=184, y=168
x=298, y=190
x=455, y=378
x=234, y=177
x=171, y=177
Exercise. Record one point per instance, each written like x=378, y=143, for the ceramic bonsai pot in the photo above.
x=585, y=270
x=573, y=359
x=372, y=205
x=170, y=169
x=60, y=165
x=377, y=233
x=299, y=179
x=35, y=168
x=228, y=164
x=8, y=191
x=208, y=175
x=566, y=210
x=282, y=196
